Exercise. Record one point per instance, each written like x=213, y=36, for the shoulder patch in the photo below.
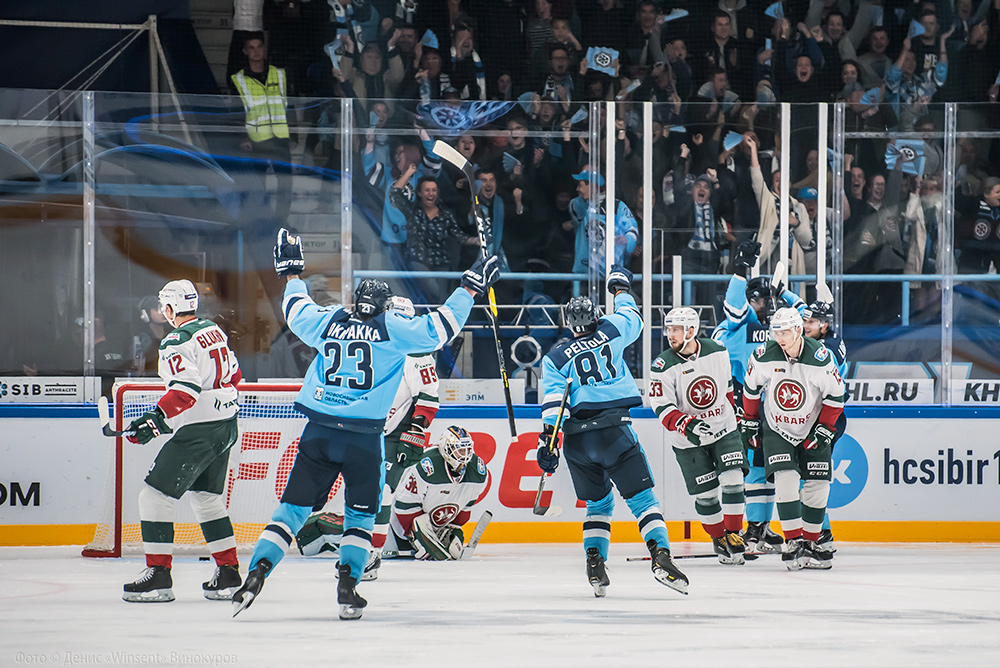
x=427, y=465
x=481, y=467
x=761, y=349
x=822, y=353
x=658, y=363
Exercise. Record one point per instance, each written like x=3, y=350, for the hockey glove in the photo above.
x=288, y=259
x=411, y=444
x=427, y=544
x=746, y=256
x=696, y=431
x=148, y=426
x=548, y=460
x=619, y=280
x=821, y=436
x=750, y=432
x=481, y=275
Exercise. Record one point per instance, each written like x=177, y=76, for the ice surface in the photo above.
x=517, y=606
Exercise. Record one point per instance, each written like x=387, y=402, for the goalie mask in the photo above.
x=580, y=315
x=181, y=296
x=370, y=298
x=684, y=317
x=456, y=448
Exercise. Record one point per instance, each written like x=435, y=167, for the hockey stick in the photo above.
x=450, y=155
x=552, y=511
x=481, y=525
x=778, y=279
x=748, y=557
x=104, y=413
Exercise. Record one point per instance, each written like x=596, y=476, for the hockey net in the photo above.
x=259, y=465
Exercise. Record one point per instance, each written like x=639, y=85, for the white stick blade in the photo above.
x=780, y=277
x=449, y=154
x=553, y=511
x=823, y=293
x=103, y=411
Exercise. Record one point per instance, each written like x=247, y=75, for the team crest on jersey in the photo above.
x=760, y=349
x=981, y=230
x=427, y=465
x=822, y=353
x=443, y=514
x=481, y=467
x=789, y=395
x=318, y=394
x=702, y=392
x=658, y=363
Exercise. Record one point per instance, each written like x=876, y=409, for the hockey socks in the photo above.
x=646, y=509
x=597, y=525
x=277, y=536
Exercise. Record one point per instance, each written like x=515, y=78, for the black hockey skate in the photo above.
x=351, y=605
x=817, y=557
x=664, y=569
x=152, y=586
x=371, y=568
x=794, y=555
x=248, y=593
x=772, y=541
x=753, y=536
x=224, y=583
x=826, y=540
x=729, y=548
x=597, y=572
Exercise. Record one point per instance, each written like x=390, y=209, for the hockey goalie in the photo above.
x=434, y=499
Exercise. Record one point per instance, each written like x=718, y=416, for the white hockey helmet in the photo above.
x=181, y=296
x=786, y=318
x=401, y=305
x=683, y=316
x=456, y=447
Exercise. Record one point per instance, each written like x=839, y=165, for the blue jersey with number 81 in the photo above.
x=601, y=379
x=353, y=380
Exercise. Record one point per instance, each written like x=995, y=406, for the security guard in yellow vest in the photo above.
x=263, y=89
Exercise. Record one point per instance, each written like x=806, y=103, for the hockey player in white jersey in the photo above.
x=199, y=409
x=805, y=397
x=691, y=391
x=346, y=395
x=435, y=498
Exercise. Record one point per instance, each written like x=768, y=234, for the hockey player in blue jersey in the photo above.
x=748, y=307
x=817, y=323
x=346, y=394
x=598, y=441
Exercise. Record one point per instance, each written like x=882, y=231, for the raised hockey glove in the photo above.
x=696, y=431
x=481, y=275
x=619, y=280
x=148, y=426
x=288, y=258
x=548, y=460
x=746, y=256
x=821, y=436
x=411, y=444
x=750, y=432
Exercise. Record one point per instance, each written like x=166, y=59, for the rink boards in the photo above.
x=900, y=474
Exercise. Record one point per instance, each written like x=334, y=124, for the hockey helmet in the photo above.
x=456, y=447
x=181, y=296
x=370, y=298
x=683, y=316
x=580, y=315
x=819, y=310
x=786, y=318
x=759, y=287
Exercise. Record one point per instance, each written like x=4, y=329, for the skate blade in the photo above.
x=676, y=584
x=793, y=565
x=733, y=560
x=350, y=611
x=816, y=564
x=599, y=589
x=220, y=594
x=152, y=596
x=244, y=602
x=368, y=576
x=767, y=548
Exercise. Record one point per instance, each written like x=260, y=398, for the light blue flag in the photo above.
x=372, y=119
x=910, y=152
x=331, y=50
x=601, y=59
x=510, y=162
x=871, y=97
x=674, y=14
x=775, y=11
x=916, y=30
x=527, y=101
x=678, y=128
x=430, y=40
x=580, y=115
x=732, y=140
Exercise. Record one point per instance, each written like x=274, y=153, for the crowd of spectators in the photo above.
x=716, y=70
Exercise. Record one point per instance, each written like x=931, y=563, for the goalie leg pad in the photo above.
x=427, y=542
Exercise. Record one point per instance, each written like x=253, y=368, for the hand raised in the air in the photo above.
x=746, y=256
x=480, y=276
x=619, y=280
x=288, y=259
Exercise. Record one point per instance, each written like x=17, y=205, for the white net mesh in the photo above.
x=259, y=465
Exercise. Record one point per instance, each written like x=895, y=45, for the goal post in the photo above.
x=259, y=465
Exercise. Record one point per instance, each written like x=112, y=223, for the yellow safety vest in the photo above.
x=264, y=104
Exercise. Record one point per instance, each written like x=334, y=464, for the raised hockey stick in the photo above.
x=450, y=155
x=481, y=525
x=823, y=293
x=104, y=413
x=778, y=280
x=539, y=509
